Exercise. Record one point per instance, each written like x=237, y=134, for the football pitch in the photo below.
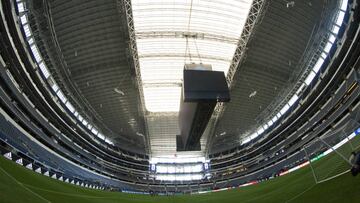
x=18, y=184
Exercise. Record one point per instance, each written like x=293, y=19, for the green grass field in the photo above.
x=18, y=184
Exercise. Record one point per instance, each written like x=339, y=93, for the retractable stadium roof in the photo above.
x=119, y=63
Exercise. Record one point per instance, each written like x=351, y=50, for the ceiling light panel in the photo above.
x=171, y=33
x=162, y=98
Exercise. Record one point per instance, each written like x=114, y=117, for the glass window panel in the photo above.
x=23, y=19
x=36, y=53
x=187, y=169
x=293, y=99
x=260, y=130
x=80, y=118
x=184, y=177
x=344, y=4
x=21, y=7
x=84, y=122
x=335, y=29
x=70, y=106
x=274, y=119
x=197, y=168
x=109, y=141
x=171, y=169
x=253, y=136
x=318, y=65
x=27, y=30
x=55, y=87
x=178, y=159
x=246, y=140
x=284, y=109
x=351, y=136
x=196, y=176
x=265, y=126
x=340, y=18
x=328, y=47
x=161, y=169
x=324, y=55
x=44, y=70
x=332, y=38
x=300, y=89
x=171, y=177
x=101, y=136
x=179, y=169
x=31, y=41
x=178, y=177
x=61, y=96
x=206, y=166
x=309, y=78
x=94, y=131
x=160, y=177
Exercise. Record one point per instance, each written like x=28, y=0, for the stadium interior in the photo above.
x=179, y=100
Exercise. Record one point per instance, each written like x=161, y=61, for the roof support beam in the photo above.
x=175, y=55
x=256, y=10
x=127, y=8
x=182, y=34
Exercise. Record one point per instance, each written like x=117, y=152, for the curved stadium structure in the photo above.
x=91, y=95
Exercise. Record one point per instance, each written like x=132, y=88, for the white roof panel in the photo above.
x=171, y=33
x=218, y=17
x=162, y=98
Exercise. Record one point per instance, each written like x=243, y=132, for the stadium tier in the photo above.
x=91, y=101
